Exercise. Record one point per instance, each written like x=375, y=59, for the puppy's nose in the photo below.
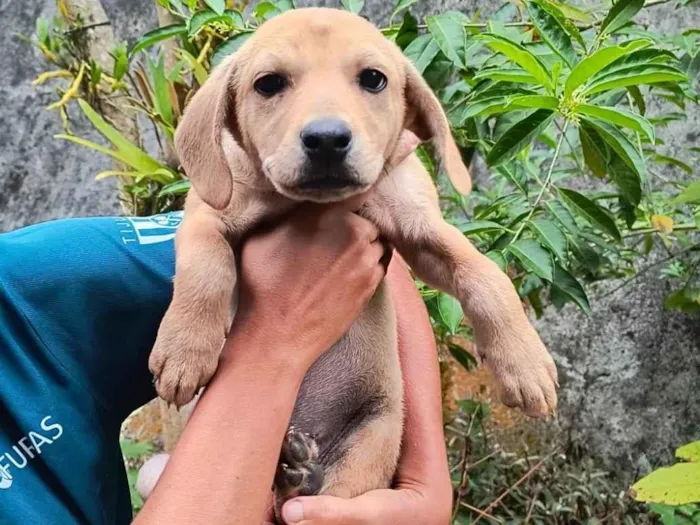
x=326, y=140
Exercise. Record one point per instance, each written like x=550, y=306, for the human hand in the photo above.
x=306, y=281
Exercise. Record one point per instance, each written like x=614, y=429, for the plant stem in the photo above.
x=545, y=184
x=642, y=231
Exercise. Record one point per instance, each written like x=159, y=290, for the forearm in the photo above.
x=223, y=467
x=423, y=458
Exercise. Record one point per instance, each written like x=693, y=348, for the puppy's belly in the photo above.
x=355, y=383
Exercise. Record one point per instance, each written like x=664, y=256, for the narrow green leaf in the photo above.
x=500, y=259
x=645, y=74
x=641, y=57
x=401, y=5
x=590, y=211
x=121, y=61
x=522, y=133
x=690, y=194
x=450, y=36
x=567, y=284
x=138, y=159
x=533, y=257
x=422, y=51
x=551, y=27
x=463, y=357
x=202, y=19
x=477, y=227
x=266, y=11
x=218, y=6
x=666, y=159
x=638, y=98
x=517, y=75
x=354, y=6
x=620, y=117
x=520, y=56
x=595, y=152
x=598, y=60
x=563, y=215
x=161, y=96
x=550, y=235
x=450, y=312
x=533, y=101
x=228, y=47
x=629, y=181
x=158, y=35
x=101, y=149
x=176, y=188
x=622, y=12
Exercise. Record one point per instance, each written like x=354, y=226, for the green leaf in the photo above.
x=101, y=149
x=520, y=56
x=689, y=452
x=550, y=235
x=567, y=284
x=500, y=259
x=638, y=75
x=401, y=5
x=563, y=215
x=285, y=5
x=533, y=257
x=588, y=67
x=354, y=6
x=666, y=159
x=158, y=35
x=422, y=51
x=620, y=117
x=204, y=18
x=450, y=312
x=517, y=75
x=551, y=25
x=595, y=152
x=218, y=6
x=408, y=31
x=161, y=94
x=228, y=47
x=621, y=13
x=676, y=485
x=463, y=357
x=689, y=194
x=137, y=158
x=590, y=211
x=522, y=133
x=121, y=61
x=450, y=36
x=638, y=98
x=630, y=186
x=265, y=11
x=176, y=188
x=478, y=227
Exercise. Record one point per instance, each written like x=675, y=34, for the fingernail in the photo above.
x=293, y=512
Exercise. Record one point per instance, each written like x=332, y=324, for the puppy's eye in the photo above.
x=270, y=85
x=372, y=80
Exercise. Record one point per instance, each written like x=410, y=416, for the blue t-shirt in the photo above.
x=80, y=305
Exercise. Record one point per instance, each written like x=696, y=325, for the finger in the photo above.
x=362, y=228
x=387, y=255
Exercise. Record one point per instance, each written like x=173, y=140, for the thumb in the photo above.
x=323, y=510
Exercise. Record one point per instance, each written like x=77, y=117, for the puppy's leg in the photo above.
x=405, y=208
x=186, y=351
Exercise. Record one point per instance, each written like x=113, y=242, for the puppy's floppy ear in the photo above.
x=426, y=118
x=198, y=139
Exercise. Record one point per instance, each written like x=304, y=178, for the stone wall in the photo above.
x=630, y=372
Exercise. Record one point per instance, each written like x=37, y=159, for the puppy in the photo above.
x=317, y=107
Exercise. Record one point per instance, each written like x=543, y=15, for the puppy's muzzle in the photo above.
x=326, y=143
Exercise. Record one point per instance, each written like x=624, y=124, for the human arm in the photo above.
x=302, y=286
x=422, y=494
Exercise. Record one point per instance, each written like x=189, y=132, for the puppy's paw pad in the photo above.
x=298, y=472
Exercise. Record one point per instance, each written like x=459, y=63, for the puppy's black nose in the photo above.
x=326, y=140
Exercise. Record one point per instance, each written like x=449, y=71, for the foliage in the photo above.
x=673, y=489
x=561, y=101
x=493, y=486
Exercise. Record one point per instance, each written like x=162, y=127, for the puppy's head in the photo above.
x=315, y=103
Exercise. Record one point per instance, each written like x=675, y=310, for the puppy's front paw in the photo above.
x=298, y=472
x=183, y=359
x=525, y=372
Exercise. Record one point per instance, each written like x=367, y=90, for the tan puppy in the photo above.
x=319, y=106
